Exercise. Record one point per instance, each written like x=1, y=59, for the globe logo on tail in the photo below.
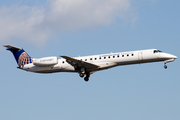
x=24, y=58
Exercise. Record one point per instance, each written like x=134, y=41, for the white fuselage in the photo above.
x=105, y=61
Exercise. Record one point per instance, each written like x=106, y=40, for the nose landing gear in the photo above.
x=170, y=60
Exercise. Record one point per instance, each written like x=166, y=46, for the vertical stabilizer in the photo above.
x=20, y=55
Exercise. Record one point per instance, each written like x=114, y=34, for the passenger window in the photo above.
x=127, y=54
x=95, y=58
x=99, y=57
x=109, y=57
x=90, y=58
x=62, y=61
x=85, y=59
x=104, y=57
x=132, y=54
x=122, y=55
x=118, y=56
x=113, y=56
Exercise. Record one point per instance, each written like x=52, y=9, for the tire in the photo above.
x=81, y=74
x=86, y=79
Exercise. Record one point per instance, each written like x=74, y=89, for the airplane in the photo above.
x=87, y=65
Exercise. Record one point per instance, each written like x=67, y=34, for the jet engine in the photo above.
x=46, y=61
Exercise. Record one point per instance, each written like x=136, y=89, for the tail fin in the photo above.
x=20, y=55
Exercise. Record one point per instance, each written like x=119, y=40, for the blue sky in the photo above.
x=83, y=27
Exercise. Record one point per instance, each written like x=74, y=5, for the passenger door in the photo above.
x=140, y=55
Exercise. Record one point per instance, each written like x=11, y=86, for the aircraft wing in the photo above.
x=78, y=63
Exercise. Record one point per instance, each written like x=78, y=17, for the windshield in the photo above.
x=157, y=51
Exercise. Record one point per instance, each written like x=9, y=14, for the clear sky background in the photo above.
x=88, y=27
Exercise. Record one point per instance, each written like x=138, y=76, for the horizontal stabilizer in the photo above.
x=12, y=48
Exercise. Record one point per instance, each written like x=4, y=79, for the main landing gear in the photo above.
x=83, y=73
x=87, y=76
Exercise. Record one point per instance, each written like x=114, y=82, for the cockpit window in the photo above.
x=157, y=51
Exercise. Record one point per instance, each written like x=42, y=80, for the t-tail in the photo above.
x=20, y=55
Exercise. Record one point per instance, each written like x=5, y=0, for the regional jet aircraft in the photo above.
x=87, y=65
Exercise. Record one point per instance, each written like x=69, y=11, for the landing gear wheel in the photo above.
x=86, y=79
x=81, y=74
x=165, y=66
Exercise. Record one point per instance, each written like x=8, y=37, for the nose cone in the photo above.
x=172, y=56
x=175, y=57
x=168, y=56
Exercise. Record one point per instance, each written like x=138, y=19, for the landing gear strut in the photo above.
x=165, y=66
x=170, y=60
x=81, y=74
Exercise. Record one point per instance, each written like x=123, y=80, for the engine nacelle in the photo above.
x=46, y=61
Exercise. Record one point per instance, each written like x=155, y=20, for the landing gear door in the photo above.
x=140, y=56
